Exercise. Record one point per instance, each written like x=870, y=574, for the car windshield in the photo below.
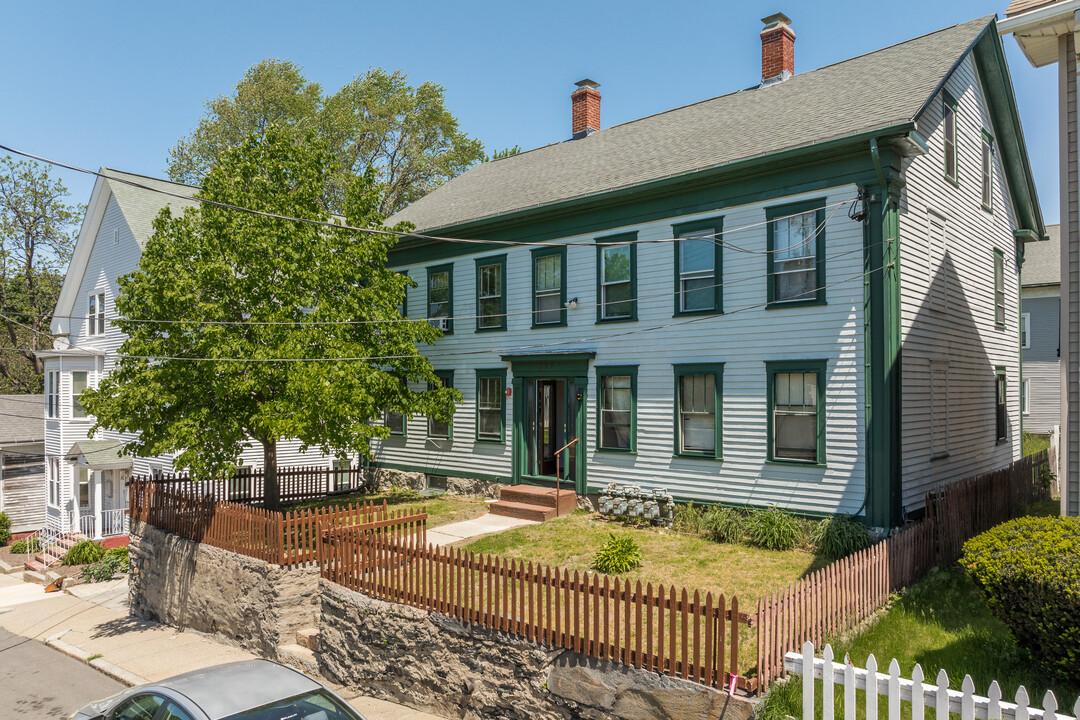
x=317, y=705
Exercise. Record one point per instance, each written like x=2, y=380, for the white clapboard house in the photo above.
x=834, y=328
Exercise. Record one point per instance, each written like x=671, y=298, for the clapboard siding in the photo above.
x=1044, y=403
x=23, y=492
x=963, y=333
x=1042, y=365
x=743, y=339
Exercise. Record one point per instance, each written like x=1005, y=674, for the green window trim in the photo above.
x=538, y=253
x=605, y=371
x=716, y=370
x=500, y=261
x=716, y=225
x=447, y=268
x=986, y=156
x=1001, y=400
x=999, y=289
x=405, y=293
x=447, y=376
x=404, y=423
x=949, y=103
x=630, y=240
x=772, y=368
x=500, y=374
x=781, y=211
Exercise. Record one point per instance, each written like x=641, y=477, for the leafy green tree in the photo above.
x=378, y=120
x=37, y=235
x=267, y=302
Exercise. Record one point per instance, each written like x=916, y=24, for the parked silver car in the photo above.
x=248, y=690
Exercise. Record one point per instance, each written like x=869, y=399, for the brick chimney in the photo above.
x=777, y=49
x=585, y=107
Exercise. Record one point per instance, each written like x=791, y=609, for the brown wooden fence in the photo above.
x=288, y=538
x=665, y=630
x=247, y=485
x=844, y=593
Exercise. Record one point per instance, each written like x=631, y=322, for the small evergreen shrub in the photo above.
x=774, y=529
x=1028, y=570
x=112, y=564
x=725, y=525
x=689, y=519
x=26, y=546
x=840, y=536
x=617, y=555
x=83, y=552
x=5, y=528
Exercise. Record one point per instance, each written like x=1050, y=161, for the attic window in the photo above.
x=949, y=123
x=116, y=236
x=95, y=314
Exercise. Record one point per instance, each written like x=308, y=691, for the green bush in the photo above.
x=617, y=555
x=1029, y=573
x=774, y=529
x=112, y=564
x=83, y=552
x=725, y=525
x=5, y=528
x=689, y=519
x=26, y=546
x=839, y=537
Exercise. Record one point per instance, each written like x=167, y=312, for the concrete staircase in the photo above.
x=530, y=502
x=52, y=555
x=301, y=653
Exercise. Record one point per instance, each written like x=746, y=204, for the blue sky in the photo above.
x=117, y=83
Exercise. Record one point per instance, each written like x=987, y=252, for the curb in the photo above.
x=114, y=671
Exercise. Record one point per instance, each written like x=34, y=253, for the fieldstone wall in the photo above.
x=389, y=478
x=435, y=663
x=185, y=584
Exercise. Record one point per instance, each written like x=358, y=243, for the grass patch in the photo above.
x=94, y=657
x=940, y=623
x=441, y=509
x=1034, y=443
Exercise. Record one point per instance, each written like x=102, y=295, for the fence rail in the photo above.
x=248, y=485
x=846, y=592
x=665, y=630
x=289, y=538
x=939, y=697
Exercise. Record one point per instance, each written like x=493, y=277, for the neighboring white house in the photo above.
x=1040, y=334
x=22, y=462
x=1046, y=32
x=85, y=477
x=850, y=341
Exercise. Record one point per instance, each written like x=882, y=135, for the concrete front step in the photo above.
x=521, y=511
x=540, y=496
x=298, y=657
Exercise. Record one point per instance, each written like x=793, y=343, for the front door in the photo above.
x=551, y=421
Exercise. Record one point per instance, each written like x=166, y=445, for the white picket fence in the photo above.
x=939, y=698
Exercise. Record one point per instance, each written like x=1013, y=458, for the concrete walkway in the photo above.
x=483, y=525
x=92, y=624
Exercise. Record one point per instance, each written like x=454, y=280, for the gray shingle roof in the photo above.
x=140, y=206
x=1042, y=260
x=867, y=93
x=99, y=454
x=22, y=419
x=1019, y=6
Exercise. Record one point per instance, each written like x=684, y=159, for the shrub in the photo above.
x=112, y=564
x=840, y=536
x=725, y=525
x=774, y=529
x=119, y=552
x=689, y=519
x=617, y=555
x=5, y=528
x=83, y=552
x=26, y=546
x=1029, y=573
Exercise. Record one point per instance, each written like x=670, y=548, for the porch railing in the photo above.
x=105, y=523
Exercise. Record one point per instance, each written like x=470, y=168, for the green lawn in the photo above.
x=1034, y=443
x=940, y=623
x=441, y=509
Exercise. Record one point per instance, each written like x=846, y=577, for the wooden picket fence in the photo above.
x=666, y=630
x=247, y=485
x=289, y=538
x=939, y=698
x=848, y=591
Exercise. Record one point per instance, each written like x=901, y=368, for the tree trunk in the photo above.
x=271, y=489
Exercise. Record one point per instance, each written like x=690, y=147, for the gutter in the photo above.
x=1060, y=12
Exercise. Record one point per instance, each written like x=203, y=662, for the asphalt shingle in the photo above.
x=1042, y=260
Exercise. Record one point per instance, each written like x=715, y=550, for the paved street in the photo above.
x=38, y=682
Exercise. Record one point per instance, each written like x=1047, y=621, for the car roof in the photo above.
x=225, y=690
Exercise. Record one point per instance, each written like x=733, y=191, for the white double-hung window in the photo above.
x=78, y=387
x=796, y=259
x=95, y=314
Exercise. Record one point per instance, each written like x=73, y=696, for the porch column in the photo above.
x=95, y=488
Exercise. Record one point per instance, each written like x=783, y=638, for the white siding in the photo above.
x=744, y=338
x=964, y=333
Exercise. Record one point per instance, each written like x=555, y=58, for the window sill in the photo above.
x=537, y=326
x=481, y=441
x=490, y=329
x=999, y=326
x=607, y=321
x=616, y=451
x=1002, y=441
x=796, y=463
x=955, y=182
x=692, y=313
x=939, y=456
x=697, y=456
x=988, y=208
x=780, y=304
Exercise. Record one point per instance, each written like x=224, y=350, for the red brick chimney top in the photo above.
x=777, y=49
x=585, y=108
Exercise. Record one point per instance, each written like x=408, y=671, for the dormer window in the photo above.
x=95, y=315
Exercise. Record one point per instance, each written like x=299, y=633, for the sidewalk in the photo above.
x=483, y=525
x=92, y=624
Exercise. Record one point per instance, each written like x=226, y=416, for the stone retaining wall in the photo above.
x=432, y=662
x=387, y=478
x=185, y=584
